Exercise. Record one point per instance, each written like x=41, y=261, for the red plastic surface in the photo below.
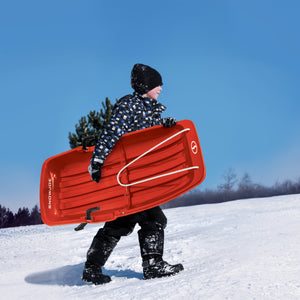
x=67, y=191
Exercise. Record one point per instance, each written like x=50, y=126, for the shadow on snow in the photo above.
x=71, y=276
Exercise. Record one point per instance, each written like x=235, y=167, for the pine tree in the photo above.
x=6, y=217
x=22, y=217
x=35, y=216
x=89, y=127
x=10, y=219
x=2, y=216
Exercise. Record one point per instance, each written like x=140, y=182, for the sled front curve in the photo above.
x=133, y=178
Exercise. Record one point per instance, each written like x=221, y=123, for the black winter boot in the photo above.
x=98, y=253
x=152, y=246
x=156, y=267
x=93, y=273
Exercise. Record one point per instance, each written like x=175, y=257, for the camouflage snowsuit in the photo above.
x=130, y=113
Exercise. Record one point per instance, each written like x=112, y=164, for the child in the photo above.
x=131, y=113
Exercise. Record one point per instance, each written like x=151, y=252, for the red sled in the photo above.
x=146, y=168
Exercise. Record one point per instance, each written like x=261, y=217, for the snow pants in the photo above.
x=151, y=235
x=151, y=219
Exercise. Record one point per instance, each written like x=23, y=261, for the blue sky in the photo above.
x=232, y=67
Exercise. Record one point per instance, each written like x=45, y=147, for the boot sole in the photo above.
x=88, y=280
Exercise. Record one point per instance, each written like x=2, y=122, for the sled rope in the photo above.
x=148, y=151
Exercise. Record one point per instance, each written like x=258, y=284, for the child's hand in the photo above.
x=169, y=122
x=95, y=171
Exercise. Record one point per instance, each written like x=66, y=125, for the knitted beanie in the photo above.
x=144, y=78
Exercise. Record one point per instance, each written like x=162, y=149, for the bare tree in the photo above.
x=230, y=179
x=246, y=188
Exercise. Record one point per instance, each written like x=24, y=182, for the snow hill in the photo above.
x=247, y=249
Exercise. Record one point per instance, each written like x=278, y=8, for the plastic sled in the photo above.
x=146, y=168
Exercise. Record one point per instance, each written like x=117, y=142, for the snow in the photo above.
x=246, y=249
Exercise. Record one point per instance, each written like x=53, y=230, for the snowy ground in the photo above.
x=248, y=249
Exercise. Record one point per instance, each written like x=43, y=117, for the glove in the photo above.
x=169, y=122
x=95, y=171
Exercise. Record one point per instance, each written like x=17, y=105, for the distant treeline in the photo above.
x=21, y=218
x=231, y=189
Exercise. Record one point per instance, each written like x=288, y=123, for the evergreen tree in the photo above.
x=10, y=219
x=22, y=217
x=35, y=216
x=88, y=129
x=2, y=216
x=6, y=217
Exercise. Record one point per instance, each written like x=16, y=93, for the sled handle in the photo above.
x=88, y=217
x=145, y=153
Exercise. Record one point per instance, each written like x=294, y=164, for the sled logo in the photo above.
x=49, y=193
x=194, y=147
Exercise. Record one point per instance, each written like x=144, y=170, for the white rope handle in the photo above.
x=145, y=153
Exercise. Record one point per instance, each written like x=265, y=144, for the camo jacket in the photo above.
x=130, y=113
